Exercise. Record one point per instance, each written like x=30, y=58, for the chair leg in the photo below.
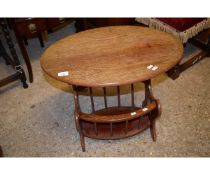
x=25, y=40
x=23, y=51
x=23, y=79
x=21, y=74
x=41, y=40
x=4, y=54
x=14, y=61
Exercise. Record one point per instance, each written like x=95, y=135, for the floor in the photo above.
x=38, y=121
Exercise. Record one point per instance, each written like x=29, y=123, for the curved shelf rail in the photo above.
x=116, y=122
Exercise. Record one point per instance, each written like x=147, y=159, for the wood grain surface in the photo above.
x=110, y=56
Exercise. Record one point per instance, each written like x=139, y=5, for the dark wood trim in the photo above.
x=9, y=79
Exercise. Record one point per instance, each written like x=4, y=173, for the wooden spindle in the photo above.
x=95, y=128
x=105, y=99
x=111, y=132
x=148, y=93
x=139, y=123
x=132, y=95
x=118, y=96
x=76, y=99
x=91, y=98
x=126, y=127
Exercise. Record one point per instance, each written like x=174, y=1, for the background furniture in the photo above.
x=193, y=30
x=14, y=61
x=89, y=23
x=125, y=55
x=25, y=28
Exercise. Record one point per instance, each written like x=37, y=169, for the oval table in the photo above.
x=113, y=56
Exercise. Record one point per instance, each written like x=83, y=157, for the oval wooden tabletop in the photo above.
x=110, y=56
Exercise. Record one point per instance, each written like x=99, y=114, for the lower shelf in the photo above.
x=118, y=131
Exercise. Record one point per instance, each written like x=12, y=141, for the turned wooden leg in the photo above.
x=23, y=79
x=24, y=52
x=82, y=139
x=76, y=116
x=81, y=135
x=152, y=118
x=154, y=115
x=14, y=61
x=25, y=40
x=153, y=130
x=149, y=97
x=41, y=40
x=4, y=54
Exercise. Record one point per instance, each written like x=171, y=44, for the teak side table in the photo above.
x=113, y=56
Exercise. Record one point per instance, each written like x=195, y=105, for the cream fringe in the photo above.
x=183, y=36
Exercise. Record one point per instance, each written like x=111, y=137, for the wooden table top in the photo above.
x=110, y=56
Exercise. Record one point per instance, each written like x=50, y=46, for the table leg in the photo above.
x=154, y=115
x=149, y=97
x=76, y=113
x=79, y=129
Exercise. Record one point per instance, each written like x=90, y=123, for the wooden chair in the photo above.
x=13, y=61
x=114, y=122
x=25, y=28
